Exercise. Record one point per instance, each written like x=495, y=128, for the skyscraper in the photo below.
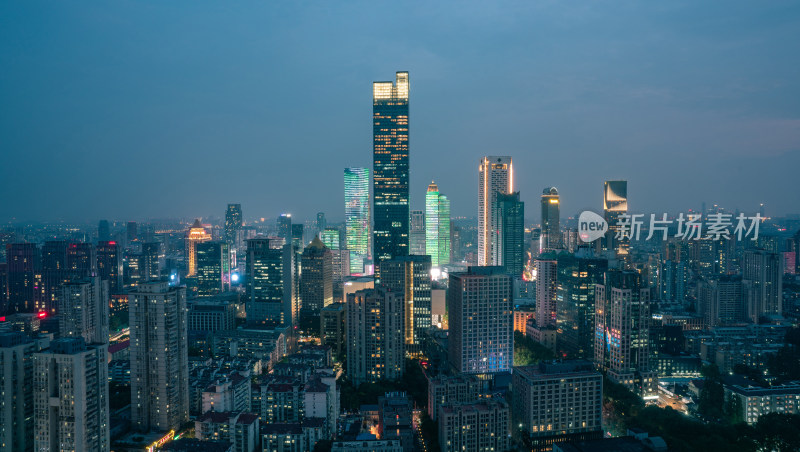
x=551, y=226
x=103, y=231
x=233, y=223
x=297, y=237
x=762, y=271
x=495, y=175
x=374, y=335
x=575, y=299
x=356, y=213
x=411, y=277
x=213, y=268
x=16, y=390
x=22, y=259
x=316, y=288
x=330, y=237
x=149, y=260
x=481, y=337
x=83, y=310
x=70, y=397
x=159, y=357
x=272, y=298
x=322, y=223
x=437, y=226
x=109, y=264
x=132, y=232
x=509, y=245
x=545, y=331
x=285, y=227
x=622, y=332
x=197, y=233
x=722, y=300
x=390, y=169
x=81, y=259
x=417, y=234
x=615, y=203
x=546, y=287
x=444, y=230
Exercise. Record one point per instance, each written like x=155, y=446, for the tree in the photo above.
x=733, y=410
x=527, y=351
x=712, y=396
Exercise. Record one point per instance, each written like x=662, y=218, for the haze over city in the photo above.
x=264, y=103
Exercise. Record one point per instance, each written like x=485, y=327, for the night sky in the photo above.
x=136, y=110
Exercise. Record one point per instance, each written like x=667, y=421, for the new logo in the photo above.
x=591, y=226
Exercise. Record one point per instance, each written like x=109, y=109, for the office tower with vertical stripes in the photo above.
x=495, y=175
x=390, y=170
x=233, y=223
x=356, y=214
x=437, y=226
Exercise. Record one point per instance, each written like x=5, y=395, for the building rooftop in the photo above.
x=196, y=445
x=556, y=369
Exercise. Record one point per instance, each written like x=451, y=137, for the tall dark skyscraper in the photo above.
x=109, y=264
x=233, y=222
x=551, y=228
x=103, y=231
x=272, y=297
x=133, y=232
x=285, y=227
x=22, y=260
x=149, y=268
x=509, y=251
x=322, y=223
x=81, y=259
x=316, y=288
x=390, y=169
x=297, y=237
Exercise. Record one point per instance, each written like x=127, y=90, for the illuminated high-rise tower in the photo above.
x=551, y=230
x=495, y=175
x=390, y=168
x=356, y=213
x=437, y=226
x=233, y=223
x=615, y=203
x=197, y=233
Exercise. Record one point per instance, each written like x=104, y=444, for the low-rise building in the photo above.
x=557, y=402
x=756, y=401
x=480, y=426
x=240, y=429
x=457, y=389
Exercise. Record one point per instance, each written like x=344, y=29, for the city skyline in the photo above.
x=223, y=268
x=637, y=121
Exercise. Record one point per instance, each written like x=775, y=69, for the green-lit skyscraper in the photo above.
x=356, y=214
x=510, y=250
x=390, y=169
x=437, y=226
x=213, y=268
x=330, y=237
